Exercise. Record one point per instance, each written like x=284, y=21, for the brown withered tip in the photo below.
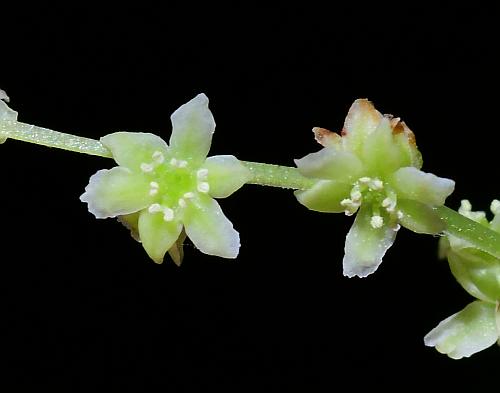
x=325, y=137
x=400, y=127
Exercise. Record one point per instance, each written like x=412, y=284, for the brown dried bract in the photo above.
x=326, y=137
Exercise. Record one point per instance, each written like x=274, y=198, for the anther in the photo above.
x=182, y=164
x=389, y=204
x=203, y=187
x=495, y=207
x=158, y=157
x=202, y=173
x=168, y=214
x=182, y=202
x=396, y=227
x=376, y=184
x=154, y=184
x=399, y=214
x=153, y=191
x=155, y=208
x=356, y=195
x=189, y=195
x=146, y=167
x=377, y=222
x=173, y=162
x=364, y=179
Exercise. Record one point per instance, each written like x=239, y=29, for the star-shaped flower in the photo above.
x=477, y=326
x=372, y=168
x=164, y=192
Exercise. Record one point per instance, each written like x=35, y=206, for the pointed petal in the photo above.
x=226, y=174
x=157, y=235
x=412, y=183
x=176, y=252
x=362, y=119
x=381, y=153
x=131, y=149
x=131, y=222
x=419, y=217
x=325, y=196
x=331, y=164
x=365, y=246
x=116, y=192
x=209, y=229
x=466, y=332
x=193, y=126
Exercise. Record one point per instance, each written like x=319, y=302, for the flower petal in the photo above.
x=209, y=229
x=176, y=252
x=365, y=246
x=5, y=112
x=131, y=222
x=412, y=183
x=325, y=196
x=362, y=119
x=466, y=332
x=193, y=126
x=131, y=149
x=116, y=192
x=226, y=174
x=157, y=235
x=477, y=272
x=381, y=152
x=330, y=163
x=419, y=217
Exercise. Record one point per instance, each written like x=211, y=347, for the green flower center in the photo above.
x=175, y=183
x=380, y=196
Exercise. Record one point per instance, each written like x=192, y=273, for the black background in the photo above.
x=84, y=309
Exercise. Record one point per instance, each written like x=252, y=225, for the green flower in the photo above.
x=471, y=330
x=477, y=326
x=5, y=112
x=372, y=168
x=164, y=192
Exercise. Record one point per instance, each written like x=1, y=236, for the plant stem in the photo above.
x=263, y=174
x=43, y=136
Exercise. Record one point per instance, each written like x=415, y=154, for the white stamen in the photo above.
x=154, y=184
x=189, y=195
x=376, y=222
x=153, y=191
x=399, y=214
x=182, y=164
x=376, y=184
x=396, y=227
x=346, y=202
x=202, y=174
x=364, y=179
x=349, y=213
x=495, y=207
x=356, y=195
x=465, y=206
x=168, y=214
x=146, y=167
x=203, y=187
x=182, y=202
x=155, y=208
x=173, y=162
x=389, y=204
x=158, y=157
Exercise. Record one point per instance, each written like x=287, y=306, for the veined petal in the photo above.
x=362, y=119
x=325, y=196
x=365, y=245
x=157, y=235
x=226, y=174
x=193, y=126
x=330, y=163
x=116, y=192
x=381, y=153
x=209, y=229
x=466, y=332
x=131, y=149
x=412, y=183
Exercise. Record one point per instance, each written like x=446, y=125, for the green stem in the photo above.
x=43, y=136
x=264, y=174
x=478, y=235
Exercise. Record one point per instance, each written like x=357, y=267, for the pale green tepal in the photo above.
x=476, y=327
x=165, y=192
x=372, y=168
x=5, y=112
